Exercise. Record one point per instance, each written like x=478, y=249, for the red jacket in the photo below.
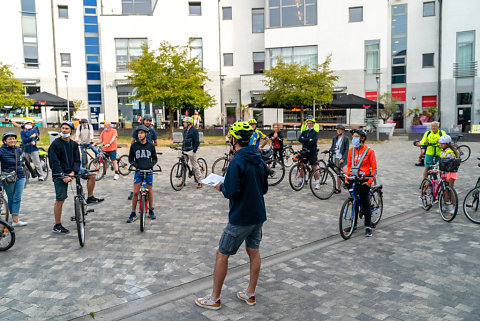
x=369, y=164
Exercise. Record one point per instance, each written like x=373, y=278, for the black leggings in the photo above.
x=363, y=192
x=278, y=154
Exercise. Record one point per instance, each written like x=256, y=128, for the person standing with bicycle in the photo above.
x=64, y=159
x=430, y=139
x=84, y=137
x=340, y=146
x=277, y=143
x=10, y=159
x=245, y=184
x=309, y=139
x=142, y=156
x=30, y=136
x=362, y=161
x=108, y=138
x=190, y=146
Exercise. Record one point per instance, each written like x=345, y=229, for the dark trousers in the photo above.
x=278, y=154
x=363, y=192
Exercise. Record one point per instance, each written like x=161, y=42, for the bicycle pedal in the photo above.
x=90, y=211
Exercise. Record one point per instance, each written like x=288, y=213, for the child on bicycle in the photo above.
x=448, y=151
x=142, y=156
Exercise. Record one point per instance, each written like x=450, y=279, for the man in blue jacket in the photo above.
x=245, y=184
x=190, y=145
x=30, y=137
x=309, y=139
x=64, y=159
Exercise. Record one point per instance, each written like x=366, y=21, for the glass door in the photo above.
x=464, y=118
x=398, y=116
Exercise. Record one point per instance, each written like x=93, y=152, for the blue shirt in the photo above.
x=27, y=140
x=152, y=135
x=256, y=138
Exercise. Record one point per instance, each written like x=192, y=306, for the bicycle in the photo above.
x=288, y=154
x=327, y=172
x=277, y=169
x=300, y=170
x=7, y=235
x=352, y=207
x=220, y=165
x=433, y=190
x=4, y=210
x=102, y=162
x=471, y=203
x=124, y=165
x=143, y=199
x=181, y=169
x=463, y=150
x=28, y=169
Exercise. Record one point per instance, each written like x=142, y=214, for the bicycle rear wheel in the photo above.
x=288, y=156
x=202, y=165
x=464, y=152
x=295, y=175
x=27, y=176
x=471, y=205
x=79, y=219
x=376, y=205
x=143, y=211
x=426, y=194
x=326, y=186
x=45, y=168
x=220, y=166
x=277, y=172
x=448, y=203
x=4, y=211
x=7, y=236
x=99, y=166
x=346, y=223
x=177, y=176
x=123, y=165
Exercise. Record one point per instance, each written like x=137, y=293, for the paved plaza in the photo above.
x=415, y=267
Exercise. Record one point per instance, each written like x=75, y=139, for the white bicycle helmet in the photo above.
x=445, y=139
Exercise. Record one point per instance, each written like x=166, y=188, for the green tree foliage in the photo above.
x=294, y=84
x=167, y=76
x=11, y=89
x=389, y=106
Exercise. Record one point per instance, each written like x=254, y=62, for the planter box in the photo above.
x=387, y=129
x=419, y=129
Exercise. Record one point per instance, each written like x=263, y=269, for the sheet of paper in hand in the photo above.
x=213, y=180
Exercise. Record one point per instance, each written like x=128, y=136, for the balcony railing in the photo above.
x=465, y=69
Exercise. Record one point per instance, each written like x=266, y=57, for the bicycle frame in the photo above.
x=143, y=191
x=356, y=201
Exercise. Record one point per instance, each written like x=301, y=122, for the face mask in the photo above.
x=28, y=126
x=65, y=135
x=85, y=126
x=106, y=129
x=356, y=141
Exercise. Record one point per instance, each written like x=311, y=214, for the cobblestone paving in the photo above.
x=49, y=276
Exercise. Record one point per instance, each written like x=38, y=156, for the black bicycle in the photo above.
x=220, y=165
x=301, y=172
x=124, y=165
x=463, y=150
x=179, y=171
x=326, y=173
x=7, y=232
x=277, y=169
x=4, y=211
x=471, y=203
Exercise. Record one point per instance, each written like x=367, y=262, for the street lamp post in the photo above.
x=377, y=78
x=68, y=102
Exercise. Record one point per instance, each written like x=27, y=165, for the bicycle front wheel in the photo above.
x=177, y=176
x=4, y=211
x=464, y=152
x=143, y=212
x=325, y=187
x=346, y=223
x=426, y=194
x=288, y=156
x=277, y=172
x=297, y=177
x=220, y=166
x=99, y=167
x=471, y=205
x=7, y=236
x=448, y=203
x=79, y=219
x=202, y=165
x=376, y=205
x=123, y=165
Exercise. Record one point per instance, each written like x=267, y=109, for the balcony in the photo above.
x=465, y=69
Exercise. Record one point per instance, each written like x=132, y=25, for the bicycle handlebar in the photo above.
x=75, y=175
x=142, y=171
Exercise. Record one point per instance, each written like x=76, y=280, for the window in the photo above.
x=228, y=59
x=427, y=60
x=227, y=13
x=429, y=9
x=137, y=7
x=464, y=98
x=355, y=14
x=288, y=13
x=29, y=33
x=465, y=50
x=65, y=60
x=258, y=62
x=63, y=12
x=126, y=50
x=300, y=55
x=195, y=8
x=372, y=48
x=258, y=25
x=196, y=49
x=399, y=44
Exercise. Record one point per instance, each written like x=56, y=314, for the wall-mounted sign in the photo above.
x=429, y=101
x=371, y=95
x=399, y=93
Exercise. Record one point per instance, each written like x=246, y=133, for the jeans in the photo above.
x=35, y=158
x=14, y=193
x=83, y=147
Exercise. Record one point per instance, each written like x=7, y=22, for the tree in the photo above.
x=11, y=89
x=295, y=84
x=389, y=106
x=167, y=76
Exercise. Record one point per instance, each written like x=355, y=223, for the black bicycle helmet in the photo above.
x=147, y=117
x=361, y=132
x=8, y=134
x=142, y=127
x=340, y=126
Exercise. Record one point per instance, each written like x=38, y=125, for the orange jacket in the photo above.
x=369, y=164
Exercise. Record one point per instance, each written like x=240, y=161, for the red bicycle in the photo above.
x=301, y=172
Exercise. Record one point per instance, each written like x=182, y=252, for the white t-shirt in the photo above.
x=337, y=148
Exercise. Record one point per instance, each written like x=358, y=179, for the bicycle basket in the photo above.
x=449, y=165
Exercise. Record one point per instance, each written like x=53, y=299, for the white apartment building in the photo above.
x=423, y=52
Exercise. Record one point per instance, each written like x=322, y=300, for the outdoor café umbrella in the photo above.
x=46, y=99
x=352, y=101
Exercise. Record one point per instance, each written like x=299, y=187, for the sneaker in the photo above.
x=152, y=215
x=199, y=185
x=249, y=300
x=132, y=218
x=347, y=229
x=94, y=200
x=41, y=178
x=58, y=228
x=207, y=303
x=19, y=223
x=130, y=197
x=317, y=186
x=368, y=232
x=115, y=177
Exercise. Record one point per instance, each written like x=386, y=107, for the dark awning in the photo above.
x=45, y=99
x=263, y=104
x=354, y=102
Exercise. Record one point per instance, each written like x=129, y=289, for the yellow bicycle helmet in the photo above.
x=188, y=120
x=28, y=120
x=242, y=131
x=252, y=121
x=310, y=119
